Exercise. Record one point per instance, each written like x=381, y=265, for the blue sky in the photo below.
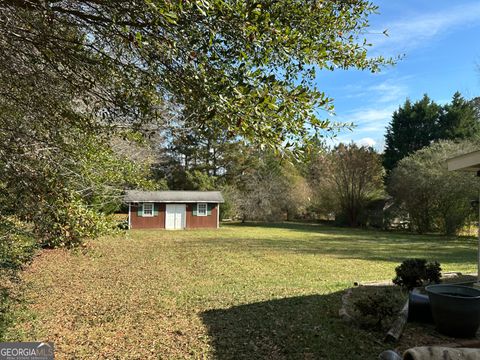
x=440, y=41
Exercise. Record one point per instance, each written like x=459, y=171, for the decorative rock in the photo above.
x=389, y=355
x=436, y=352
x=397, y=328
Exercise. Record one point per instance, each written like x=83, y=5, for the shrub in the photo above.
x=17, y=247
x=68, y=222
x=433, y=272
x=122, y=225
x=413, y=272
x=434, y=198
x=376, y=308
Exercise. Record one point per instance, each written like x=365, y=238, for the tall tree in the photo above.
x=247, y=67
x=188, y=150
x=458, y=120
x=351, y=176
x=413, y=127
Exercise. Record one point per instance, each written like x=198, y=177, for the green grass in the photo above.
x=252, y=291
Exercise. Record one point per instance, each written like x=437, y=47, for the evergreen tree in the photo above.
x=475, y=102
x=413, y=127
x=458, y=120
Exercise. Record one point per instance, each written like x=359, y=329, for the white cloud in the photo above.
x=377, y=143
x=366, y=141
x=369, y=117
x=388, y=92
x=382, y=99
x=406, y=34
x=393, y=90
x=370, y=126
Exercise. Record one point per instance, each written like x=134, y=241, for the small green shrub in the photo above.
x=17, y=248
x=433, y=272
x=375, y=309
x=69, y=222
x=413, y=272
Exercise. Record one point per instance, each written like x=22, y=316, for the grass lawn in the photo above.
x=243, y=291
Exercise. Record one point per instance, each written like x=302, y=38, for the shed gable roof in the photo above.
x=173, y=196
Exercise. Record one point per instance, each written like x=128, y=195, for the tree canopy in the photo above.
x=459, y=119
x=349, y=177
x=247, y=67
x=76, y=76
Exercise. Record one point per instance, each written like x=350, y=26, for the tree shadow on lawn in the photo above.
x=349, y=232
x=295, y=226
x=304, y=327
x=364, y=244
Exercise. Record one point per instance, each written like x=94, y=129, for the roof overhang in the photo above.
x=465, y=162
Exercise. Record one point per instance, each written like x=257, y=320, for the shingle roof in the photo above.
x=173, y=196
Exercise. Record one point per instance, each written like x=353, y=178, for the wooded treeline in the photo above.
x=406, y=186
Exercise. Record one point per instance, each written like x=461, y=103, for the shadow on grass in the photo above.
x=361, y=244
x=330, y=228
x=305, y=327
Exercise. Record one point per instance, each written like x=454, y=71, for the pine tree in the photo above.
x=458, y=120
x=412, y=128
x=415, y=126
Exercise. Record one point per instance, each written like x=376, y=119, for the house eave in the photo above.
x=465, y=162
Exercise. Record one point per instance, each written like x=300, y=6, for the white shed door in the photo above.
x=175, y=216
